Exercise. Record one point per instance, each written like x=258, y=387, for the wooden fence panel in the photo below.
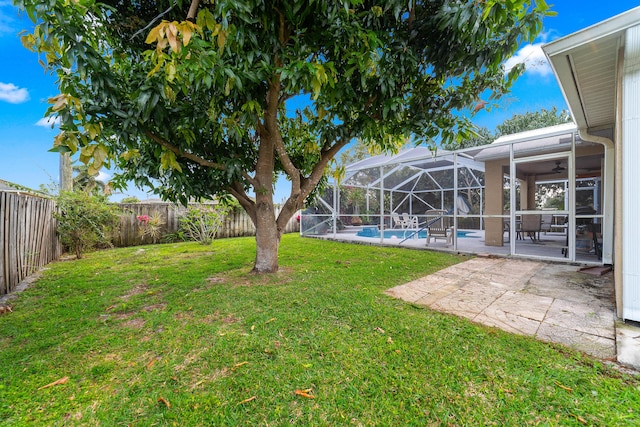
x=4, y=284
x=28, y=238
x=235, y=224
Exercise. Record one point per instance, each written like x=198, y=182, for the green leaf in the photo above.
x=100, y=154
x=168, y=161
x=59, y=149
x=222, y=39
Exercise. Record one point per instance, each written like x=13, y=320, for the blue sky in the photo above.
x=25, y=136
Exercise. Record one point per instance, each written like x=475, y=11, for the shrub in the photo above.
x=85, y=221
x=130, y=199
x=201, y=223
x=150, y=226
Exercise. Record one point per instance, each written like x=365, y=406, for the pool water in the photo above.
x=402, y=234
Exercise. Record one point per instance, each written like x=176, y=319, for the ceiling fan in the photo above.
x=558, y=168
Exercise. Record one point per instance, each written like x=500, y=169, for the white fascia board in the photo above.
x=532, y=135
x=563, y=70
x=606, y=28
x=559, y=51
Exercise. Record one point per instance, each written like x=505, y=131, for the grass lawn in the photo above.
x=182, y=334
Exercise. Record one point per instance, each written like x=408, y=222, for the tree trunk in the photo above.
x=78, y=251
x=267, y=231
x=267, y=239
x=66, y=172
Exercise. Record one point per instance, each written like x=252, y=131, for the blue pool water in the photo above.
x=401, y=234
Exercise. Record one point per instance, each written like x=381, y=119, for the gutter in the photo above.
x=608, y=192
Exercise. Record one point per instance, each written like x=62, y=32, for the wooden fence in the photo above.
x=236, y=223
x=28, y=238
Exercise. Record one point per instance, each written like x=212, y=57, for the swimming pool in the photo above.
x=373, y=232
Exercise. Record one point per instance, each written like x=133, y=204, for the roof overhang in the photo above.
x=538, y=141
x=586, y=65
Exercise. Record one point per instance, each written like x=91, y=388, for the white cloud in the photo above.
x=48, y=122
x=8, y=23
x=533, y=58
x=103, y=177
x=13, y=94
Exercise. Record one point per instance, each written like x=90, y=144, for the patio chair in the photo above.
x=531, y=225
x=506, y=228
x=546, y=222
x=439, y=226
x=410, y=221
x=397, y=221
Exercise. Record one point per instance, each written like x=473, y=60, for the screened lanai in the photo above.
x=412, y=182
x=461, y=200
x=379, y=189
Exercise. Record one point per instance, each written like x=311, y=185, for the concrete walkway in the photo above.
x=552, y=302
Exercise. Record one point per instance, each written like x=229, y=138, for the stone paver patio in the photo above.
x=553, y=302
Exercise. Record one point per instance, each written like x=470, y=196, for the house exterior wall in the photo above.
x=618, y=236
x=630, y=175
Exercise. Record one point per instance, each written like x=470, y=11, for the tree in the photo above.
x=517, y=123
x=482, y=136
x=85, y=221
x=533, y=120
x=86, y=181
x=205, y=109
x=66, y=172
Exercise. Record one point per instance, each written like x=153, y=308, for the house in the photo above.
x=590, y=167
x=598, y=69
x=6, y=185
x=10, y=186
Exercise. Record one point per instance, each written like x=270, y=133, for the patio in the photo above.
x=548, y=245
x=548, y=181
x=552, y=301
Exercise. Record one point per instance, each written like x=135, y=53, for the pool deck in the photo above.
x=552, y=301
x=549, y=246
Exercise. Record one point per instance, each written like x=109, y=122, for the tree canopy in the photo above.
x=533, y=120
x=515, y=124
x=203, y=98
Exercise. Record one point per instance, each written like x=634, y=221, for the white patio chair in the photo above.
x=397, y=221
x=410, y=221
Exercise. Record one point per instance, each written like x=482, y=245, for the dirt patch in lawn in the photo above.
x=218, y=317
x=138, y=289
x=136, y=323
x=245, y=277
x=154, y=307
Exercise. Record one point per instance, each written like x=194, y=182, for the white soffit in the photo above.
x=586, y=66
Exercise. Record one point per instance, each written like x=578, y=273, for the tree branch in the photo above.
x=247, y=204
x=285, y=97
x=190, y=156
x=251, y=180
x=281, y=32
x=152, y=21
x=289, y=168
x=193, y=9
x=309, y=183
x=297, y=197
x=412, y=14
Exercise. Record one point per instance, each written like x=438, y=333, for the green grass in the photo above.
x=188, y=324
